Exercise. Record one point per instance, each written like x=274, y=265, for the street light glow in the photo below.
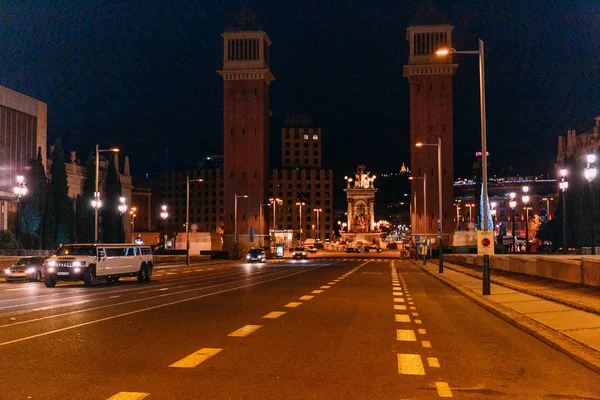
x=419, y=144
x=591, y=158
x=444, y=51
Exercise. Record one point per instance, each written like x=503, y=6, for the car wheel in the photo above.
x=49, y=281
x=141, y=276
x=89, y=277
x=148, y=272
x=38, y=276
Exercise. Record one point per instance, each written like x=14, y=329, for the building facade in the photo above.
x=23, y=129
x=301, y=143
x=246, y=170
x=430, y=94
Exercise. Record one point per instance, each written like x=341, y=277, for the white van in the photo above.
x=88, y=262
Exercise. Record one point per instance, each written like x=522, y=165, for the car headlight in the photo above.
x=76, y=264
x=52, y=263
x=7, y=271
x=51, y=269
x=77, y=269
x=248, y=257
x=303, y=253
x=30, y=270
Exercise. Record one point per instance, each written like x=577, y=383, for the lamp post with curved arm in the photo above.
x=424, y=178
x=563, y=186
x=20, y=190
x=590, y=175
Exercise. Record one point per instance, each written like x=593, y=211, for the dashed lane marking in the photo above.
x=398, y=300
x=317, y=291
x=410, y=364
x=422, y=332
x=418, y=321
x=433, y=362
x=415, y=314
x=274, y=314
x=402, y=318
x=426, y=343
x=325, y=287
x=307, y=297
x=399, y=307
x=293, y=304
x=129, y=396
x=196, y=358
x=443, y=389
x=245, y=330
x=406, y=335
x=397, y=293
x=331, y=283
x=115, y=297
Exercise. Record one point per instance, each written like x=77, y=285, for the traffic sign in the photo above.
x=417, y=239
x=485, y=242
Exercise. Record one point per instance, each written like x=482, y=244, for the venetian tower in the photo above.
x=430, y=93
x=246, y=81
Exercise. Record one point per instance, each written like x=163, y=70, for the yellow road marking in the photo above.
x=418, y=321
x=426, y=343
x=422, y=332
x=245, y=330
x=317, y=291
x=411, y=303
x=410, y=364
x=406, y=335
x=415, y=314
x=409, y=298
x=325, y=287
x=129, y=396
x=115, y=297
x=336, y=280
x=196, y=358
x=413, y=308
x=331, y=283
x=397, y=293
x=398, y=300
x=293, y=304
x=399, y=307
x=274, y=314
x=433, y=362
x=307, y=297
x=402, y=318
x=443, y=389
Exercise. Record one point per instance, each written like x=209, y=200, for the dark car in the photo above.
x=26, y=269
x=311, y=249
x=256, y=255
x=352, y=250
x=545, y=248
x=375, y=249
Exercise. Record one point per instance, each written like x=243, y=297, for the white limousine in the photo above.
x=88, y=262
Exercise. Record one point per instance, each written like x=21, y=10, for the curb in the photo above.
x=579, y=352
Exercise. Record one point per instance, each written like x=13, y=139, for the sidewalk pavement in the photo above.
x=565, y=316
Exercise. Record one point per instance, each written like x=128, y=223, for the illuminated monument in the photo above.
x=360, y=194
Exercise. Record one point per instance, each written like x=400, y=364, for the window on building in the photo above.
x=305, y=137
x=315, y=161
x=315, y=137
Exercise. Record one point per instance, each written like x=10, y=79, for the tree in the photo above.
x=111, y=222
x=33, y=205
x=60, y=193
x=48, y=223
x=534, y=225
x=7, y=240
x=84, y=210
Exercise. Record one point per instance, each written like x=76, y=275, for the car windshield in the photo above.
x=25, y=260
x=299, y=249
x=254, y=252
x=76, y=251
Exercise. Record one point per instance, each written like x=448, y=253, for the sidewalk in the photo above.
x=565, y=316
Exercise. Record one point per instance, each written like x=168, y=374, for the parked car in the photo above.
x=256, y=255
x=299, y=252
x=375, y=248
x=352, y=250
x=311, y=249
x=26, y=269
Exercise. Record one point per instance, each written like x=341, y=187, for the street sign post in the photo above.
x=485, y=247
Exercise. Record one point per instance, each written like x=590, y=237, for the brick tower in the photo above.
x=430, y=91
x=246, y=80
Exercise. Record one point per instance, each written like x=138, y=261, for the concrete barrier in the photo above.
x=581, y=270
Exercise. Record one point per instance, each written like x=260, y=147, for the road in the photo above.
x=339, y=328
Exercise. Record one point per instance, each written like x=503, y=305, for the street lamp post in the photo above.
x=187, y=216
x=480, y=53
x=513, y=204
x=439, y=157
x=318, y=211
x=132, y=212
x=235, y=234
x=590, y=175
x=20, y=190
x=96, y=202
x=274, y=202
x=300, y=204
x=164, y=215
x=526, y=202
x=122, y=208
x=260, y=223
x=424, y=178
x=563, y=186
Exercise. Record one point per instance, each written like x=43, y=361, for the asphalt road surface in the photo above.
x=346, y=328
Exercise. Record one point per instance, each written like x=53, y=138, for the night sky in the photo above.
x=141, y=75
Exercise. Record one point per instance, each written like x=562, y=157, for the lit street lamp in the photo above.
x=132, y=212
x=480, y=53
x=20, y=190
x=424, y=178
x=260, y=223
x=187, y=216
x=235, y=234
x=274, y=202
x=526, y=202
x=513, y=204
x=122, y=208
x=563, y=186
x=439, y=157
x=96, y=202
x=164, y=215
x=590, y=175
x=318, y=235
x=300, y=204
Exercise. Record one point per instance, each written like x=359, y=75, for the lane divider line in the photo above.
x=418, y=321
x=324, y=287
x=196, y=358
x=426, y=343
x=399, y=307
x=406, y=335
x=422, y=331
x=433, y=362
x=274, y=314
x=317, y=291
x=443, y=389
x=398, y=300
x=410, y=364
x=129, y=396
x=306, y=297
x=402, y=318
x=245, y=330
x=293, y=304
